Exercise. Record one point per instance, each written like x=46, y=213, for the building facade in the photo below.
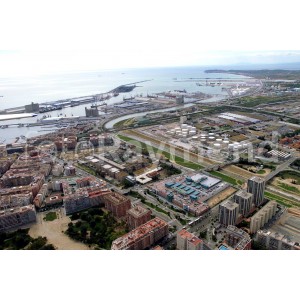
x=245, y=202
x=263, y=216
x=275, y=241
x=188, y=241
x=256, y=187
x=20, y=216
x=117, y=204
x=137, y=215
x=228, y=213
x=143, y=236
x=237, y=238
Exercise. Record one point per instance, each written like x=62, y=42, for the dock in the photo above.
x=75, y=101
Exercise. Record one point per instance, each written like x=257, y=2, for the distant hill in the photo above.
x=249, y=66
x=291, y=74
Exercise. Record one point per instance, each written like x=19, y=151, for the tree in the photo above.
x=268, y=147
x=38, y=243
x=21, y=241
x=203, y=234
x=48, y=247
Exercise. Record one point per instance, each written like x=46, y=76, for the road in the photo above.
x=281, y=168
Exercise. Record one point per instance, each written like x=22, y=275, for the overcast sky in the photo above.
x=59, y=36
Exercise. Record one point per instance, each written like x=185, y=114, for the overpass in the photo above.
x=281, y=168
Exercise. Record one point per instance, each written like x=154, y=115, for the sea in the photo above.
x=19, y=91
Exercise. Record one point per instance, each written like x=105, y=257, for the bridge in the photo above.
x=281, y=168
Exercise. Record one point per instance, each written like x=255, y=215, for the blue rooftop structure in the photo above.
x=170, y=197
x=222, y=247
x=169, y=184
x=193, y=197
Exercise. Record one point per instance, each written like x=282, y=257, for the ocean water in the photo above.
x=20, y=91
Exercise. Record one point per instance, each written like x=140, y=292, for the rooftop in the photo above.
x=138, y=210
x=128, y=239
x=243, y=194
x=230, y=205
x=257, y=179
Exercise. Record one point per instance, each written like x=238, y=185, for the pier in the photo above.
x=75, y=101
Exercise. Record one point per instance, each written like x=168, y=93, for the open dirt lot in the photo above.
x=52, y=230
x=289, y=225
x=237, y=172
x=220, y=197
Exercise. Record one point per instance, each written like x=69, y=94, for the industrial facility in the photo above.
x=189, y=192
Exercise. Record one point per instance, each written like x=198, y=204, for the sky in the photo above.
x=39, y=37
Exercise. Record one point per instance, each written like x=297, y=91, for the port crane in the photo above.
x=97, y=98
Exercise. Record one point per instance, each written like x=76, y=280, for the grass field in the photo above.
x=288, y=188
x=261, y=172
x=50, y=216
x=282, y=200
x=86, y=169
x=226, y=178
x=178, y=160
x=155, y=207
x=124, y=123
